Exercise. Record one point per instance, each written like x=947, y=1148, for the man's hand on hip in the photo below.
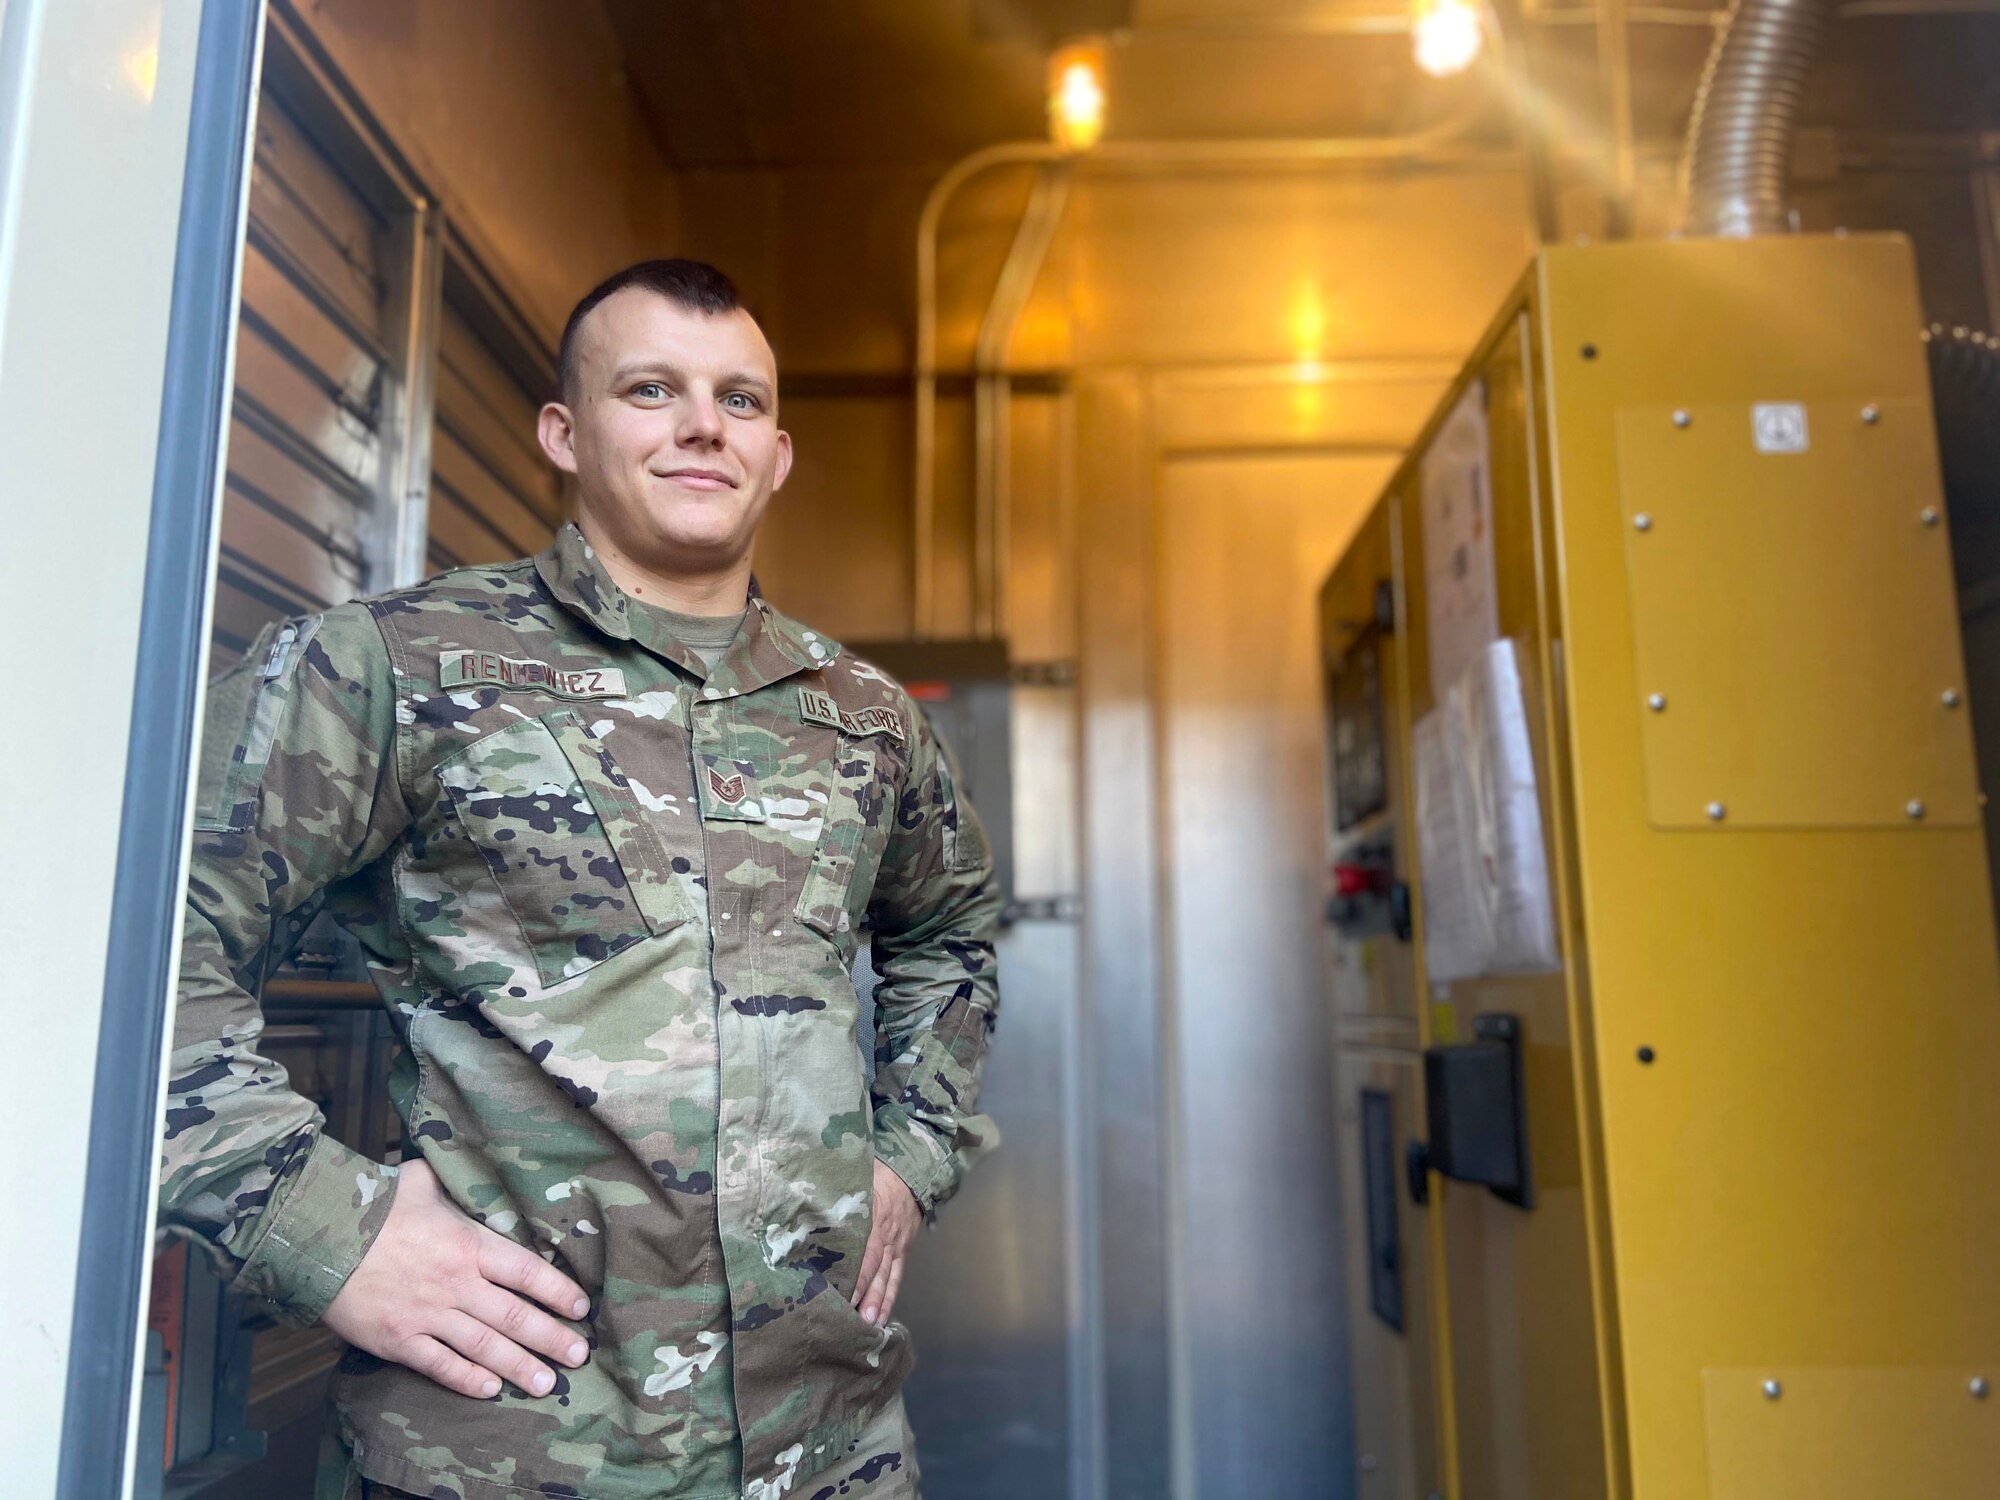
x=889, y=1238
x=450, y=1298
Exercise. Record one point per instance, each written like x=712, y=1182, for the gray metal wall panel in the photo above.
x=986, y=1294
x=1262, y=1336
x=1121, y=1034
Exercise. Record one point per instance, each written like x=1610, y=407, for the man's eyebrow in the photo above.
x=634, y=369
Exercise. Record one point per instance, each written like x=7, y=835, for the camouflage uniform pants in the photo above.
x=880, y=1464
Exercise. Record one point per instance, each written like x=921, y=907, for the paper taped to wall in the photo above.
x=1461, y=595
x=1486, y=903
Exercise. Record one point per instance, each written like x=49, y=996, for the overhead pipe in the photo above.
x=993, y=391
x=1614, y=72
x=1394, y=150
x=1514, y=59
x=1739, y=145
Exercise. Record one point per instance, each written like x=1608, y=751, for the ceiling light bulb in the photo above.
x=1448, y=36
x=1076, y=96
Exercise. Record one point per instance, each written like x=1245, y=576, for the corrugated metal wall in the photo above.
x=315, y=438
x=494, y=496
x=305, y=444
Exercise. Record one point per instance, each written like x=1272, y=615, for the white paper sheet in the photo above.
x=1461, y=597
x=1486, y=902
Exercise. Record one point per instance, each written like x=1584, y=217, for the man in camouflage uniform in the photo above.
x=605, y=824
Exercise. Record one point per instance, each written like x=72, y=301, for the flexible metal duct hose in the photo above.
x=1739, y=148
x=1965, y=383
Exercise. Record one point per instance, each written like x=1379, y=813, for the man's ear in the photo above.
x=556, y=428
x=784, y=460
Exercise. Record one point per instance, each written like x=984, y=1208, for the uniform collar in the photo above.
x=573, y=574
x=769, y=647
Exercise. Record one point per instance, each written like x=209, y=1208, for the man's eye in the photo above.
x=740, y=401
x=649, y=390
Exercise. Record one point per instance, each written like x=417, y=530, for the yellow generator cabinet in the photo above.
x=1658, y=911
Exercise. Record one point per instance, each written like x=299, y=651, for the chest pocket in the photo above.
x=567, y=840
x=859, y=805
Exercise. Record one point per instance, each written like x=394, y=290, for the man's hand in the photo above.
x=437, y=1292
x=889, y=1237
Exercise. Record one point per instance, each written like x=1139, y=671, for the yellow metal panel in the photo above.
x=1819, y=1434
x=1799, y=1167
x=1395, y=1407
x=1525, y=1378
x=1798, y=647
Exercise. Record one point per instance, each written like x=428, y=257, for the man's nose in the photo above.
x=701, y=422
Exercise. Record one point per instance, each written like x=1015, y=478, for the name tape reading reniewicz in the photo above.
x=457, y=669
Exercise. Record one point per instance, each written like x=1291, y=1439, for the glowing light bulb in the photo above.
x=1307, y=325
x=1076, y=96
x=1448, y=36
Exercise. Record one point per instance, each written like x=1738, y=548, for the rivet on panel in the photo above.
x=1979, y=1388
x=1717, y=812
x=1928, y=515
x=1657, y=702
x=1682, y=419
x=1871, y=414
x=1589, y=351
x=1772, y=1390
x=1646, y=1055
x=1914, y=807
x=1951, y=698
x=1642, y=522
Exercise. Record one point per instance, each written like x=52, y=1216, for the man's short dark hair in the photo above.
x=693, y=284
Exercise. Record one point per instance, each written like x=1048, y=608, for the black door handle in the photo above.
x=1417, y=1172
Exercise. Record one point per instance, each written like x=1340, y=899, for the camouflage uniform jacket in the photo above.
x=611, y=898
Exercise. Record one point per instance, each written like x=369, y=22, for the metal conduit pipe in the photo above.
x=992, y=393
x=1739, y=146
x=1392, y=150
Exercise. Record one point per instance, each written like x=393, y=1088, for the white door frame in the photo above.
x=124, y=127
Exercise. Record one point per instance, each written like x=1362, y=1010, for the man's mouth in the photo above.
x=701, y=479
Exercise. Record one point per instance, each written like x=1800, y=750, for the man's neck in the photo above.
x=721, y=592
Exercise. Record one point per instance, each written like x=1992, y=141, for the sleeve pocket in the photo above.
x=965, y=846
x=240, y=722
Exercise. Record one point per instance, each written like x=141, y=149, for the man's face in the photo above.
x=671, y=430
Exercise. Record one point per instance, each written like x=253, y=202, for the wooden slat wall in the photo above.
x=494, y=496
x=305, y=444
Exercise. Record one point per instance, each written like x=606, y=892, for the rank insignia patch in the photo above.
x=728, y=790
x=463, y=669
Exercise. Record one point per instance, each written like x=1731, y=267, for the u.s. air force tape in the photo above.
x=816, y=707
x=459, y=669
